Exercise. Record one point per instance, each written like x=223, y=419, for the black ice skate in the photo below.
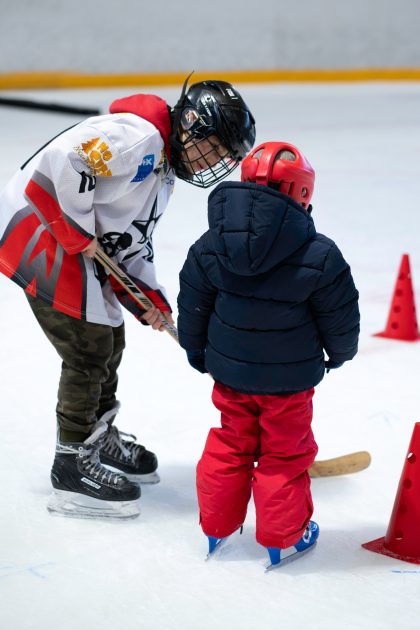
x=84, y=488
x=134, y=460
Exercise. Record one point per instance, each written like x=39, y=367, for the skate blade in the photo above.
x=77, y=505
x=143, y=479
x=217, y=548
x=289, y=559
x=222, y=542
x=151, y=478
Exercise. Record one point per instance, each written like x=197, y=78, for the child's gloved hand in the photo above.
x=196, y=358
x=332, y=365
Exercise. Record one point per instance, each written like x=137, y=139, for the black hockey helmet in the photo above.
x=213, y=111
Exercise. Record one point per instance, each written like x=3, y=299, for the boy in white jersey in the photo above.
x=107, y=180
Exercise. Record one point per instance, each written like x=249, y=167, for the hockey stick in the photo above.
x=131, y=288
x=342, y=465
x=49, y=107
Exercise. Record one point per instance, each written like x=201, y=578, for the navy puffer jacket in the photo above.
x=265, y=294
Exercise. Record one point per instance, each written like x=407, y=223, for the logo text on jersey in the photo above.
x=97, y=154
x=145, y=168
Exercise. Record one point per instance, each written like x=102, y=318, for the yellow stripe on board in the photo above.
x=54, y=80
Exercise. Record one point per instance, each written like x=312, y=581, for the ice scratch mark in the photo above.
x=388, y=419
x=8, y=570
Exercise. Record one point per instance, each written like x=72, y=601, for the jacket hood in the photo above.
x=253, y=228
x=152, y=108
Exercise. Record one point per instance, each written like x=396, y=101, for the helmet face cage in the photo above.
x=213, y=130
x=203, y=160
x=211, y=160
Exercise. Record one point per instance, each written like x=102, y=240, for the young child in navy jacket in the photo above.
x=262, y=297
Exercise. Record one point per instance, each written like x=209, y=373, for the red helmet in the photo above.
x=283, y=167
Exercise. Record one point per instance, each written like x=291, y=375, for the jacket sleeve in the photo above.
x=334, y=304
x=195, y=303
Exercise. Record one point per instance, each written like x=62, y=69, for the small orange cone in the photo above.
x=402, y=320
x=402, y=539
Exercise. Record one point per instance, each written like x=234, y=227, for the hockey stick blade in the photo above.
x=343, y=465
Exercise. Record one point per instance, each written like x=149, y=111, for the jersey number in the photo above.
x=90, y=180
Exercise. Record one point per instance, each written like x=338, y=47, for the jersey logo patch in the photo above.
x=96, y=153
x=145, y=168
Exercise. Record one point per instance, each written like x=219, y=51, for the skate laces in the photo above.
x=88, y=453
x=91, y=464
x=123, y=450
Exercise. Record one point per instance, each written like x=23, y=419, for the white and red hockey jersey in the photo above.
x=107, y=176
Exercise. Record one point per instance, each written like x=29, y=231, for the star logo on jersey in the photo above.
x=145, y=168
x=146, y=226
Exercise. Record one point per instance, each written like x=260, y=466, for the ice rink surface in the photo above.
x=364, y=143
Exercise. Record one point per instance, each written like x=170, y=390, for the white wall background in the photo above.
x=138, y=36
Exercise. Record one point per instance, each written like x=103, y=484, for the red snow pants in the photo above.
x=275, y=432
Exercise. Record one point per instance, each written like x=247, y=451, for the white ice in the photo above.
x=364, y=142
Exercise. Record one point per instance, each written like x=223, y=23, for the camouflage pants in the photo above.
x=91, y=355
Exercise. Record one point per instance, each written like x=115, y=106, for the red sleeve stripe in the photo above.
x=69, y=238
x=13, y=247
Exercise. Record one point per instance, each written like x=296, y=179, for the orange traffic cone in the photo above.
x=402, y=320
x=402, y=539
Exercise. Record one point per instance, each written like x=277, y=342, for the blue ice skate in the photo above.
x=306, y=543
x=216, y=543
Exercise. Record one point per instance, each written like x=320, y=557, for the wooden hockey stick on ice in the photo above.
x=343, y=465
x=131, y=288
